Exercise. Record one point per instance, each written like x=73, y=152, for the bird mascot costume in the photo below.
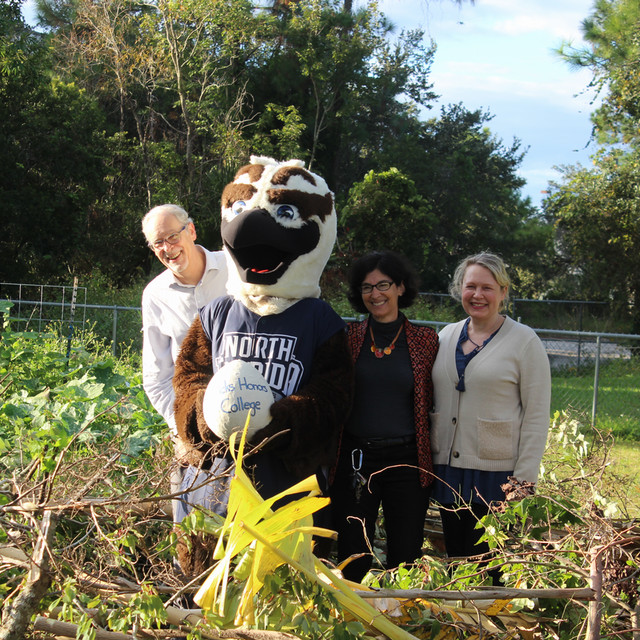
x=278, y=230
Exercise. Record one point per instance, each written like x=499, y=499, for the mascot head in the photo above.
x=278, y=229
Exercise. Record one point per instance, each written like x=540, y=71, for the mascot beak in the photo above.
x=263, y=249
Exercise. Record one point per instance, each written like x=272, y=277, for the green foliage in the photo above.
x=71, y=426
x=145, y=609
x=594, y=211
x=544, y=541
x=50, y=401
x=291, y=603
x=595, y=214
x=385, y=211
x=612, y=55
x=162, y=101
x=471, y=179
x=52, y=155
x=278, y=132
x=83, y=427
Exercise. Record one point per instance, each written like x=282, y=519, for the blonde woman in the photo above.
x=492, y=387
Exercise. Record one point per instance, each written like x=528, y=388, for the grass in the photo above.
x=618, y=399
x=625, y=461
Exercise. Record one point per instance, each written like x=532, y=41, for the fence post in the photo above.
x=114, y=335
x=72, y=315
x=596, y=381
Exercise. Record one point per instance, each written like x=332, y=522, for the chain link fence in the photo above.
x=38, y=307
x=597, y=375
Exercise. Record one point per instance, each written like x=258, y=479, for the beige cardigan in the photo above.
x=500, y=422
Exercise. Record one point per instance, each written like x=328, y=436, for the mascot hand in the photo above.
x=278, y=431
x=204, y=430
x=198, y=443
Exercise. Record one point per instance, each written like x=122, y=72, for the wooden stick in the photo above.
x=13, y=555
x=17, y=615
x=594, y=617
x=495, y=593
x=68, y=630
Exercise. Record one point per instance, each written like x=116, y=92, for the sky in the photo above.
x=497, y=55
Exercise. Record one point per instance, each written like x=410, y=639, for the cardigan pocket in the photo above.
x=434, y=420
x=495, y=439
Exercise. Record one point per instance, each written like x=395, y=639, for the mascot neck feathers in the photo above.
x=278, y=230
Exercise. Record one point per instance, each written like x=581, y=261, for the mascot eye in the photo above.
x=238, y=206
x=287, y=211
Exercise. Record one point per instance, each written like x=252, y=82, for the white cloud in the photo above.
x=29, y=10
x=566, y=90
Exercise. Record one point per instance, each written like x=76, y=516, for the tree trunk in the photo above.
x=17, y=616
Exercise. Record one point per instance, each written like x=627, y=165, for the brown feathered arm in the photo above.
x=192, y=375
x=315, y=414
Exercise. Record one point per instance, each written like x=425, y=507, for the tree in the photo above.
x=469, y=177
x=164, y=70
x=595, y=211
x=51, y=157
x=187, y=89
x=596, y=215
x=348, y=82
x=613, y=56
x=385, y=211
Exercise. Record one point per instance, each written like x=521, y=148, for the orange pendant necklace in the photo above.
x=377, y=351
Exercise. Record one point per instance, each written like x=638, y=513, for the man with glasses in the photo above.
x=193, y=277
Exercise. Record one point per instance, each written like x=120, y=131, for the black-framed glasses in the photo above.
x=174, y=238
x=383, y=285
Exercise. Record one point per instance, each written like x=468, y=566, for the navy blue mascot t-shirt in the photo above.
x=280, y=346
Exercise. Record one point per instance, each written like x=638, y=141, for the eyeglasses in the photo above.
x=174, y=238
x=383, y=285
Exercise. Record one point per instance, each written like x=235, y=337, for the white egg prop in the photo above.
x=236, y=391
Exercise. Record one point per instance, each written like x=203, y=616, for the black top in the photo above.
x=383, y=403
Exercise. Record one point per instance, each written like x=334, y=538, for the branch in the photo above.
x=68, y=630
x=495, y=593
x=595, y=607
x=18, y=614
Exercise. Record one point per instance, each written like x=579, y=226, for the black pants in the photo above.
x=459, y=530
x=404, y=506
x=461, y=536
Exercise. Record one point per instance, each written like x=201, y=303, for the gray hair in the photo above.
x=172, y=209
x=490, y=261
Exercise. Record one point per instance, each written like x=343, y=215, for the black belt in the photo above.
x=380, y=443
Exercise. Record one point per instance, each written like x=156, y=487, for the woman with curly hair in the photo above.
x=385, y=456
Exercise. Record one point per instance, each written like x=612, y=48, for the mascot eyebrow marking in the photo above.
x=308, y=203
x=254, y=171
x=282, y=176
x=234, y=192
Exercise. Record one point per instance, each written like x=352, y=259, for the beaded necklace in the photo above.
x=379, y=352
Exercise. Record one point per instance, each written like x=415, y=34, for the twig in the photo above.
x=17, y=615
x=69, y=445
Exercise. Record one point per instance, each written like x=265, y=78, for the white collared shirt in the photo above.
x=169, y=308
